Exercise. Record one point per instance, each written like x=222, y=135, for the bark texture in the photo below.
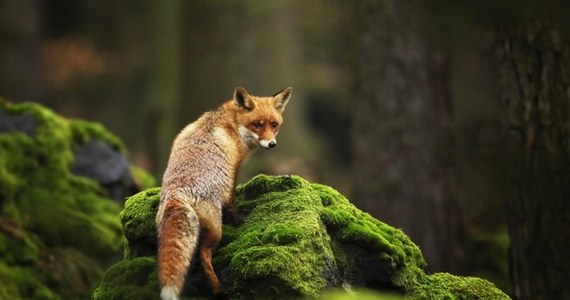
x=536, y=91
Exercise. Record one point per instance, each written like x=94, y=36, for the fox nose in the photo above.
x=272, y=144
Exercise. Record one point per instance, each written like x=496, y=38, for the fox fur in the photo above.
x=200, y=179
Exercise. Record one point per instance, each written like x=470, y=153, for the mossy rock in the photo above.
x=297, y=240
x=138, y=223
x=58, y=231
x=130, y=279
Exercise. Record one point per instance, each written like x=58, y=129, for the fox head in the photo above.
x=259, y=118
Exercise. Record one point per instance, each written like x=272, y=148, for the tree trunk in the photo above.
x=164, y=92
x=403, y=145
x=536, y=87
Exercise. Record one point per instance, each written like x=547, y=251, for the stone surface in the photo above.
x=298, y=240
x=58, y=231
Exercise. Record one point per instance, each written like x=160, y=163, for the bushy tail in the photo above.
x=178, y=230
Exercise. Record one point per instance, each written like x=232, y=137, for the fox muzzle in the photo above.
x=268, y=144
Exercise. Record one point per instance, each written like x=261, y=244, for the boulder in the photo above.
x=59, y=231
x=298, y=240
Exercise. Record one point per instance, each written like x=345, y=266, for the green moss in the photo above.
x=360, y=295
x=297, y=240
x=447, y=286
x=69, y=272
x=82, y=131
x=129, y=279
x=282, y=238
x=350, y=224
x=288, y=232
x=23, y=283
x=138, y=223
x=467, y=288
x=56, y=228
x=263, y=185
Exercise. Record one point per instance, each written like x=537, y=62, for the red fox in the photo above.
x=200, y=178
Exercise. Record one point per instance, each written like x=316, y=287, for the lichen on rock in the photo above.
x=297, y=240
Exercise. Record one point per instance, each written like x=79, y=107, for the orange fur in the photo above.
x=200, y=179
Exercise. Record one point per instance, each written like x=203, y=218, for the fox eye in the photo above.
x=274, y=124
x=256, y=124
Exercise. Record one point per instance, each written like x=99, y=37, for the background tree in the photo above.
x=165, y=83
x=535, y=85
x=403, y=145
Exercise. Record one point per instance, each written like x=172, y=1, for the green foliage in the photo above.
x=58, y=231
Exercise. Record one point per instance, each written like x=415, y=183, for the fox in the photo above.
x=200, y=180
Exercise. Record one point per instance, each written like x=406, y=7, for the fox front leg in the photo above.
x=231, y=214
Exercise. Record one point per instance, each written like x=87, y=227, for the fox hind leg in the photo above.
x=209, y=239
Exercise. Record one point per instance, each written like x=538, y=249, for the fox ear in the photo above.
x=281, y=98
x=243, y=99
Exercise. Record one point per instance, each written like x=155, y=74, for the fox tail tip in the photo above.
x=168, y=293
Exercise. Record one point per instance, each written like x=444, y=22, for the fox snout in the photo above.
x=253, y=139
x=268, y=144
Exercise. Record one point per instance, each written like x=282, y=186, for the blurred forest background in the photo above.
x=449, y=119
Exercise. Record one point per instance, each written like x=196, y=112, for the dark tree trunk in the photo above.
x=403, y=145
x=536, y=90
x=164, y=92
